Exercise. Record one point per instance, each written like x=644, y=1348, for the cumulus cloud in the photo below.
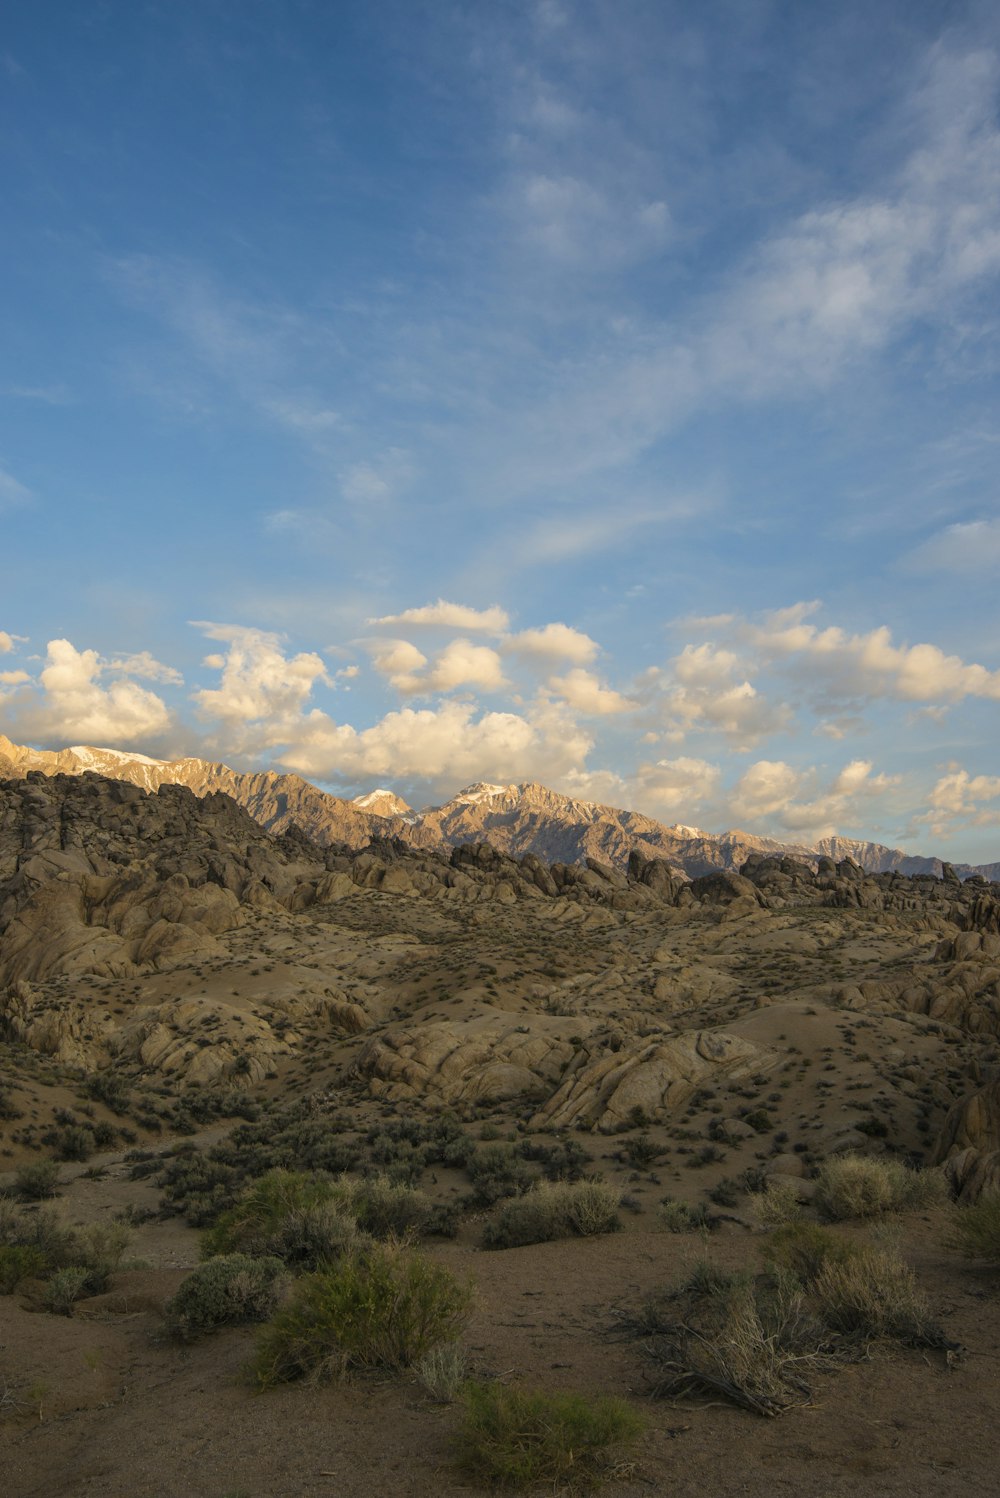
x=677, y=786
x=494, y=620
x=794, y=802
x=6, y=643
x=553, y=642
x=68, y=702
x=846, y=667
x=957, y=801
x=461, y=663
x=446, y=746
x=13, y=678
x=582, y=690
x=259, y=683
x=147, y=667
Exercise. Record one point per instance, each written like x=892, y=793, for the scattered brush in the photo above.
x=975, y=1230
x=225, y=1291
x=555, y=1210
x=865, y=1186
x=517, y=1438
x=872, y=1295
x=751, y=1341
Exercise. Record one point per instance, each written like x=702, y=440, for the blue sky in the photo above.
x=597, y=393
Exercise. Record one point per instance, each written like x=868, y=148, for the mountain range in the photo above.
x=515, y=819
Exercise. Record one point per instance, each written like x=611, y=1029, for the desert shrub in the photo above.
x=555, y=1210
x=872, y=1294
x=72, y=1142
x=383, y=1306
x=301, y=1219
x=110, y=1089
x=681, y=1217
x=759, y=1120
x=565, y=1160
x=804, y=1248
x=36, y=1181
x=497, y=1171
x=41, y=1229
x=975, y=1230
x=777, y=1203
x=517, y=1438
x=751, y=1341
x=389, y=1210
x=225, y=1291
x=725, y=1193
x=863, y=1186
x=20, y=1261
x=443, y=1370
x=64, y=1289
x=407, y=1146
x=640, y=1153
x=99, y=1249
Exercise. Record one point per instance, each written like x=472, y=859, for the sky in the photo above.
x=594, y=392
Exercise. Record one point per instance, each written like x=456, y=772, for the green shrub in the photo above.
x=804, y=1248
x=225, y=1291
x=872, y=1294
x=302, y=1219
x=680, y=1217
x=20, y=1261
x=387, y=1209
x=975, y=1230
x=497, y=1171
x=555, y=1210
x=864, y=1186
x=64, y=1289
x=516, y=1438
x=37, y=1181
x=383, y=1306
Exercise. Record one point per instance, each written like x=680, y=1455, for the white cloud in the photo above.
x=793, y=802
x=583, y=691
x=6, y=643
x=553, y=642
x=68, y=702
x=843, y=667
x=461, y=663
x=259, y=683
x=493, y=620
x=444, y=747
x=13, y=678
x=956, y=801
x=963, y=549
x=145, y=666
x=400, y=663
x=672, y=786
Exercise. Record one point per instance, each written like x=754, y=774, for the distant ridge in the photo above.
x=516, y=818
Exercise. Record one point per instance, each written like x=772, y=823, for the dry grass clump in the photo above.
x=866, y=1186
x=777, y=1203
x=872, y=1295
x=518, y=1438
x=754, y=1342
x=225, y=1291
x=551, y=1210
x=680, y=1217
x=975, y=1230
x=383, y=1306
x=443, y=1371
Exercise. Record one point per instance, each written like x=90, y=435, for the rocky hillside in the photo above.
x=516, y=819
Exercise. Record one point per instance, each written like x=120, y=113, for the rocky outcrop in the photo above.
x=969, y=1145
x=647, y=1081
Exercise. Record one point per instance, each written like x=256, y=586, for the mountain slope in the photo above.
x=515, y=819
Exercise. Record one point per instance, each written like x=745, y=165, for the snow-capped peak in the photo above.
x=91, y=756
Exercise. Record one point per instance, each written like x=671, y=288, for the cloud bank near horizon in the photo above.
x=742, y=722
